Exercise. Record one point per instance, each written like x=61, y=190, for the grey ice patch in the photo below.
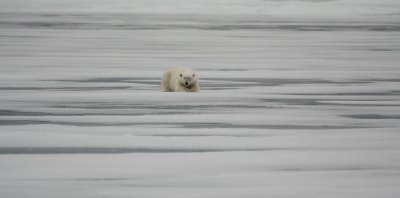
x=184, y=125
x=103, y=150
x=323, y=102
x=373, y=116
x=78, y=88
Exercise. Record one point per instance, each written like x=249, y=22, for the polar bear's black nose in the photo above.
x=186, y=83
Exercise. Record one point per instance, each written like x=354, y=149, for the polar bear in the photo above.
x=180, y=79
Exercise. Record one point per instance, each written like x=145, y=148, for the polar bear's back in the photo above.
x=177, y=70
x=170, y=77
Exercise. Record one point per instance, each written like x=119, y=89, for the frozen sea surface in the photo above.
x=298, y=99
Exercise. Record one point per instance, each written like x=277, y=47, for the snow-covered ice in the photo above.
x=299, y=98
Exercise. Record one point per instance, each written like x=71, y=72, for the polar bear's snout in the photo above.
x=187, y=80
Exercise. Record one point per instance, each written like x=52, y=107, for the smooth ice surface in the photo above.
x=299, y=98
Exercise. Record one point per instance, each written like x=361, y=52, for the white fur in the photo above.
x=180, y=79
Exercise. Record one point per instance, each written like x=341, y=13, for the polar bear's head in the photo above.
x=187, y=78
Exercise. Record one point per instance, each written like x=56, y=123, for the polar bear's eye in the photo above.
x=180, y=75
x=193, y=75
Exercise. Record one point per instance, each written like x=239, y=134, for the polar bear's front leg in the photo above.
x=179, y=88
x=196, y=88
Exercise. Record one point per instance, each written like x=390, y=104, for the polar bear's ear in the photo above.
x=180, y=75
